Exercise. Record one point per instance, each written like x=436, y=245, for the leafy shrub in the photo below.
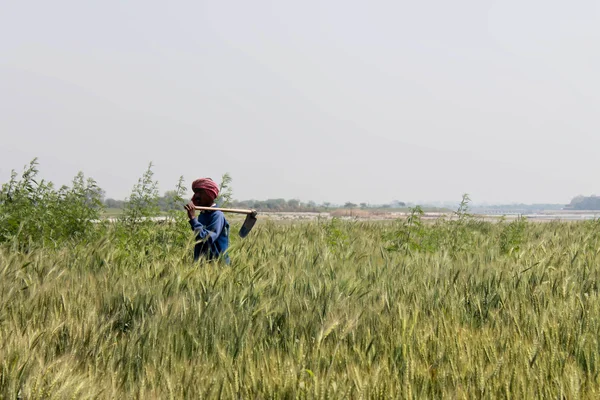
x=335, y=235
x=142, y=204
x=32, y=211
x=512, y=235
x=225, y=192
x=460, y=236
x=409, y=235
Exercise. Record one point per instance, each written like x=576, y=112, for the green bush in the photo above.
x=33, y=211
x=513, y=235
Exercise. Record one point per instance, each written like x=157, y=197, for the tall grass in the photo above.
x=328, y=309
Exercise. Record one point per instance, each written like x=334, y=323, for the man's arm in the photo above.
x=212, y=230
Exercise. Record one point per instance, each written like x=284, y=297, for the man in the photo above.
x=211, y=227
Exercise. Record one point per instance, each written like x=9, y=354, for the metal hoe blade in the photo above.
x=248, y=224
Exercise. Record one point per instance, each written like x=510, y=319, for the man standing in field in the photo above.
x=211, y=227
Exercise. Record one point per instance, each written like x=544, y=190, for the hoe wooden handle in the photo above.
x=231, y=210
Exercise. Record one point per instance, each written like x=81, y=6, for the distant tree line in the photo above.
x=166, y=203
x=279, y=205
x=294, y=205
x=584, y=203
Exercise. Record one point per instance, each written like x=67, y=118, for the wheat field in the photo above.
x=327, y=309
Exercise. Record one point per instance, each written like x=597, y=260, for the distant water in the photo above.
x=564, y=217
x=550, y=216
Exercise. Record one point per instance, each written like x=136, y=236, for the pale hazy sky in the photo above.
x=317, y=100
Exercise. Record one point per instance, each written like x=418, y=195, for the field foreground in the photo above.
x=334, y=309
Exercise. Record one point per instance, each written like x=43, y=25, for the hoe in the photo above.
x=248, y=222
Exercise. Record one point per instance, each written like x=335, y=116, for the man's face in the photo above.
x=201, y=198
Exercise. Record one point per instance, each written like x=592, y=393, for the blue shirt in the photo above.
x=212, y=233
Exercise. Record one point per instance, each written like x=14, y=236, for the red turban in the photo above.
x=208, y=185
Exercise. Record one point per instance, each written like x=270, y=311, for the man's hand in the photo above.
x=191, y=211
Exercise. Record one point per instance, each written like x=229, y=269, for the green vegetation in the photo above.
x=32, y=210
x=458, y=308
